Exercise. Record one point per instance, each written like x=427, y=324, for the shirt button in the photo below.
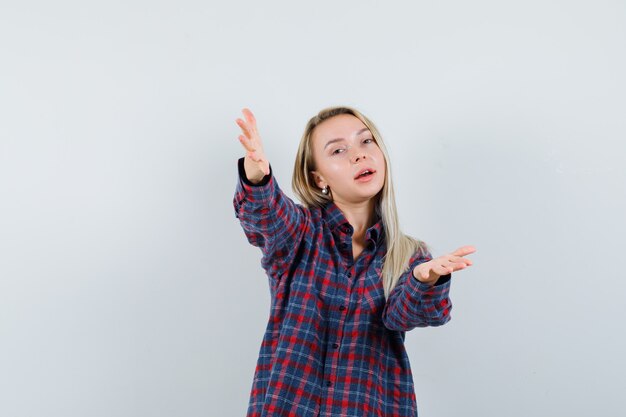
x=329, y=383
x=342, y=308
x=335, y=345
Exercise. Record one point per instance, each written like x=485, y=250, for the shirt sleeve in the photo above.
x=413, y=303
x=270, y=220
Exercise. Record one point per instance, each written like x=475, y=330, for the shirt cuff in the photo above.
x=442, y=280
x=256, y=196
x=419, y=287
x=244, y=178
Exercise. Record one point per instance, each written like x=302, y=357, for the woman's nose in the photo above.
x=358, y=156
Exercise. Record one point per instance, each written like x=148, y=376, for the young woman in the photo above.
x=345, y=282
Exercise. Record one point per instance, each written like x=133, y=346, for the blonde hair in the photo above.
x=400, y=247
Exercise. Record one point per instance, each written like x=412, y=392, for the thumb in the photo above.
x=264, y=165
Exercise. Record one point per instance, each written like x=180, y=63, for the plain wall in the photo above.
x=127, y=287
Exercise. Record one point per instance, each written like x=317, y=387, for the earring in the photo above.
x=325, y=190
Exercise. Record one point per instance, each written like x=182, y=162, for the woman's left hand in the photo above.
x=429, y=272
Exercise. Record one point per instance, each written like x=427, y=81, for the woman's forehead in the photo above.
x=343, y=126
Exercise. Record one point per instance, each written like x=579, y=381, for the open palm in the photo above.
x=430, y=271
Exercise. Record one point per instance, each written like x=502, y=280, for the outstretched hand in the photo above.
x=256, y=164
x=429, y=272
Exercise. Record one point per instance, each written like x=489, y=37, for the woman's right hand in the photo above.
x=256, y=164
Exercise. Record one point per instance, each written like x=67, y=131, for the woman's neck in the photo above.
x=360, y=215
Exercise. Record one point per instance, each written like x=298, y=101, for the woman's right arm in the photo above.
x=269, y=218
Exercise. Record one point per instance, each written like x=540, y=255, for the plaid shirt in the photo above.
x=333, y=346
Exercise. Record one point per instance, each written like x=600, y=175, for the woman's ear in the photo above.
x=317, y=179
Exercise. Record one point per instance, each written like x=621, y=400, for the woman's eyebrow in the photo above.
x=340, y=139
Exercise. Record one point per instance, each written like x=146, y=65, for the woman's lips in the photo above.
x=366, y=178
x=364, y=170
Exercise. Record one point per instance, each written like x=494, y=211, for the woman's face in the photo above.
x=342, y=148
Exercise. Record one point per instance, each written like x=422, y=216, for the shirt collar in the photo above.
x=338, y=223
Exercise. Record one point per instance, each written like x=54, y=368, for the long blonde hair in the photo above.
x=400, y=247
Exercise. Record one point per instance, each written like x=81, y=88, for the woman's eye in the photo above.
x=336, y=151
x=369, y=139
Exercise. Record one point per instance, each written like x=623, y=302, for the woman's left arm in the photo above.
x=421, y=297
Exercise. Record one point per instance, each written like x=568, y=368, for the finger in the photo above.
x=464, y=250
x=455, y=266
x=246, y=143
x=450, y=261
x=457, y=259
x=443, y=270
x=256, y=157
x=250, y=118
x=458, y=266
x=245, y=128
